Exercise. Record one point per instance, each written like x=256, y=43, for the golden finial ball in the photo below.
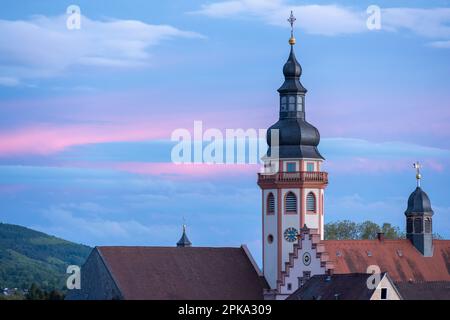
x=292, y=41
x=418, y=176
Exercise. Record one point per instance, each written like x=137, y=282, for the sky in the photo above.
x=86, y=115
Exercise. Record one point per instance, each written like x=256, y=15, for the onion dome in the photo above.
x=419, y=203
x=292, y=71
x=297, y=139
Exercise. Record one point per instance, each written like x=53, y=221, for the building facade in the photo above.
x=293, y=182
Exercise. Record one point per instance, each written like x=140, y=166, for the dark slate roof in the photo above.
x=183, y=273
x=399, y=258
x=419, y=203
x=184, y=241
x=297, y=139
x=351, y=286
x=431, y=290
x=292, y=71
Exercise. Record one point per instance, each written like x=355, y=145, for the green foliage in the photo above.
x=29, y=257
x=342, y=230
x=36, y=293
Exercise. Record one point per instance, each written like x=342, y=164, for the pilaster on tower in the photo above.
x=293, y=182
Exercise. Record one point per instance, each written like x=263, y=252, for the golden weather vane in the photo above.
x=417, y=166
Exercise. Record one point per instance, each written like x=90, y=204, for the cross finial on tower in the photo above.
x=291, y=21
x=417, y=166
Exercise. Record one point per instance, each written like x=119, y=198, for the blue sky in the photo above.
x=86, y=115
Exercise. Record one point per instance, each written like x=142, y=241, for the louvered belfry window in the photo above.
x=428, y=225
x=270, y=203
x=291, y=203
x=418, y=228
x=409, y=225
x=311, y=202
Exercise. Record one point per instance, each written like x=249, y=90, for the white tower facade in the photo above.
x=292, y=186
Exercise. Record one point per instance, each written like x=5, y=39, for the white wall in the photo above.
x=297, y=270
x=288, y=221
x=391, y=292
x=270, y=250
x=312, y=220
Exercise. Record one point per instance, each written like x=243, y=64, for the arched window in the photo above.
x=418, y=225
x=291, y=203
x=409, y=225
x=428, y=225
x=311, y=202
x=270, y=203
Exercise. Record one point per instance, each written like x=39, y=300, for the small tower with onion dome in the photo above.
x=419, y=223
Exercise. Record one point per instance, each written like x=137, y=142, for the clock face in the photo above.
x=306, y=258
x=290, y=234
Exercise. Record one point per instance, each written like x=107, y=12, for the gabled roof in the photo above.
x=399, y=258
x=183, y=273
x=432, y=290
x=351, y=286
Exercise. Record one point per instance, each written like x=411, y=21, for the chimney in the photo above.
x=380, y=236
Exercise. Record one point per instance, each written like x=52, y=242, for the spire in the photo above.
x=292, y=69
x=297, y=137
x=184, y=241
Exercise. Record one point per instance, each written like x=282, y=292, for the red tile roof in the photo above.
x=399, y=258
x=183, y=273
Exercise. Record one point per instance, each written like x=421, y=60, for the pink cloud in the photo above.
x=114, y=117
x=47, y=139
x=177, y=171
x=202, y=170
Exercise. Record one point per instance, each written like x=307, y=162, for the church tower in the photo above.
x=419, y=218
x=292, y=183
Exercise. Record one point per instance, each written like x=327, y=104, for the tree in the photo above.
x=391, y=232
x=341, y=230
x=368, y=230
x=35, y=293
x=55, y=295
x=347, y=230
